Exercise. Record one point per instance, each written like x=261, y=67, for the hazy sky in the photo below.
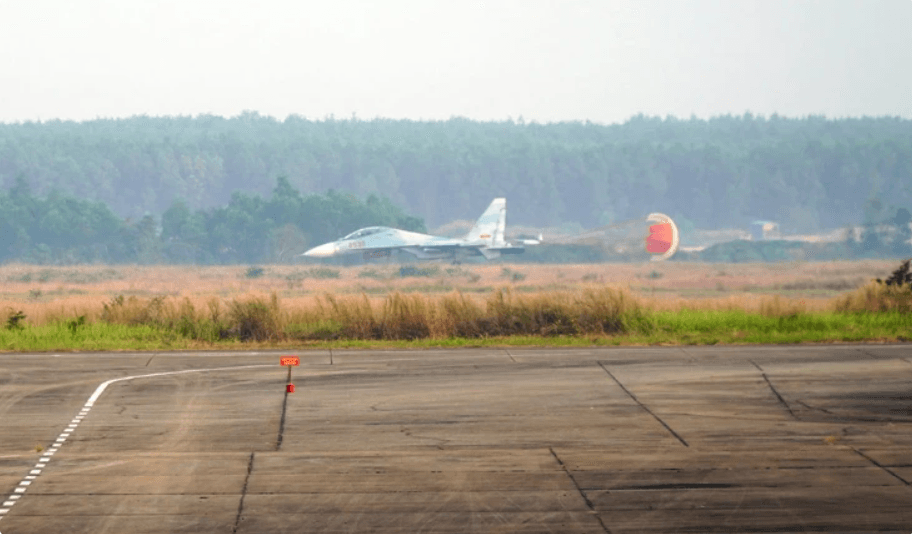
x=598, y=60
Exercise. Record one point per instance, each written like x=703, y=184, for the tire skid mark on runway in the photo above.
x=690, y=359
x=643, y=406
x=838, y=418
x=776, y=393
x=10, y=399
x=61, y=439
x=723, y=417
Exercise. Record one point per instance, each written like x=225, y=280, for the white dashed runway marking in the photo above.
x=61, y=439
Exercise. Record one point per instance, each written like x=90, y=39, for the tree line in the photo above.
x=808, y=173
x=61, y=229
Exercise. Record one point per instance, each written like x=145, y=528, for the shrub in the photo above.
x=900, y=277
x=14, y=319
x=892, y=295
x=255, y=319
x=254, y=272
x=74, y=324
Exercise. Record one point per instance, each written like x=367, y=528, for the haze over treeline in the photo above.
x=59, y=229
x=806, y=173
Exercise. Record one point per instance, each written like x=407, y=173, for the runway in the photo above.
x=670, y=439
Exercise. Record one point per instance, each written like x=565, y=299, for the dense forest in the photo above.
x=805, y=173
x=254, y=189
x=60, y=229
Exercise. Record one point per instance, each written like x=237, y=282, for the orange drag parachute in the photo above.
x=663, y=238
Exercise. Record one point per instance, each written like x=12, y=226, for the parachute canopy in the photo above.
x=663, y=237
x=659, y=240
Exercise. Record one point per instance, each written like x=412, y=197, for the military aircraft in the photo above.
x=486, y=238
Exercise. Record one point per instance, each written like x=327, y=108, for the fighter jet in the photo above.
x=486, y=238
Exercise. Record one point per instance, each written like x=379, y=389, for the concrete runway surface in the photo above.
x=693, y=439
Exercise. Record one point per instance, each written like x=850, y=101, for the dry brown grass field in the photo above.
x=50, y=293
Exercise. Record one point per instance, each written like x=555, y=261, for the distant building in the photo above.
x=761, y=230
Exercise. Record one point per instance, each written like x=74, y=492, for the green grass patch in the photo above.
x=72, y=335
x=651, y=328
x=711, y=327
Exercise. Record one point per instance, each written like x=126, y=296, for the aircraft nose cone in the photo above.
x=323, y=251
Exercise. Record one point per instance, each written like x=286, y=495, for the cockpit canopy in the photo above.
x=364, y=232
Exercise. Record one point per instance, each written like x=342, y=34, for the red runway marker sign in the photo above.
x=290, y=360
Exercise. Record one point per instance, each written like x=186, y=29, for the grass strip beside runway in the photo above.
x=685, y=327
x=60, y=336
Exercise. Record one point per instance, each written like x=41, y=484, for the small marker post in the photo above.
x=290, y=361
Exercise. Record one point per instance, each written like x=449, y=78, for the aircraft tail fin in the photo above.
x=490, y=227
